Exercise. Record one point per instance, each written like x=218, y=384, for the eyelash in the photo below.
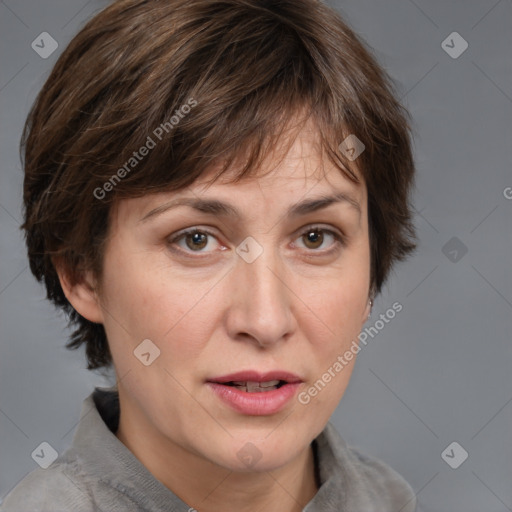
x=340, y=240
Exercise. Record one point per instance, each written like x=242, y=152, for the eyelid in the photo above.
x=320, y=227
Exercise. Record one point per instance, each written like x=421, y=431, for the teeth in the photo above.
x=267, y=384
x=256, y=387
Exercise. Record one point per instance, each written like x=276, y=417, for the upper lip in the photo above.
x=255, y=376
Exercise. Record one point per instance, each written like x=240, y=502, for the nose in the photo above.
x=261, y=301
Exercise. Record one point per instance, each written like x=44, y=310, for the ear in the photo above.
x=82, y=294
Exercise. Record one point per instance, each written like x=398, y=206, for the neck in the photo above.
x=209, y=487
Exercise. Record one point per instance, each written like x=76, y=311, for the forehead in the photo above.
x=298, y=153
x=297, y=167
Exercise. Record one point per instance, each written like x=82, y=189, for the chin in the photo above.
x=250, y=454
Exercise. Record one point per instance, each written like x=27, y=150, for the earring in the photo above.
x=370, y=302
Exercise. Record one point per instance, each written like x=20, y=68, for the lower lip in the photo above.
x=255, y=404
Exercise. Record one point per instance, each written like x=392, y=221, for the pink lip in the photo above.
x=256, y=404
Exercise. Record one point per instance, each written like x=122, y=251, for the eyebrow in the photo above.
x=216, y=207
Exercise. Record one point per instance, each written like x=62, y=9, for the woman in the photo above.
x=215, y=192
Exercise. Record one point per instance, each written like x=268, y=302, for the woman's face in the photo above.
x=274, y=284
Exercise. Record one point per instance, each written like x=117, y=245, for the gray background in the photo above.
x=440, y=370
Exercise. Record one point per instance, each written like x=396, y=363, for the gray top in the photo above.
x=99, y=473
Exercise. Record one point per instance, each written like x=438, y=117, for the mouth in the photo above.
x=252, y=381
x=254, y=393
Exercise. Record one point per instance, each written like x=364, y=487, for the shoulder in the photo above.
x=373, y=482
x=58, y=488
x=382, y=480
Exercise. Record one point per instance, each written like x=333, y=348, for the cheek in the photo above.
x=146, y=299
x=337, y=307
x=334, y=318
x=331, y=334
x=330, y=338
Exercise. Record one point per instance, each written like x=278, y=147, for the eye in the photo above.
x=199, y=240
x=314, y=237
x=195, y=240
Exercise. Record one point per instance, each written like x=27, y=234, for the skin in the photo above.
x=297, y=307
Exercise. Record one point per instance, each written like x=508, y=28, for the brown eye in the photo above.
x=320, y=240
x=196, y=240
x=313, y=238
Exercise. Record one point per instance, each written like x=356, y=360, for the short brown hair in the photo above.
x=249, y=66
